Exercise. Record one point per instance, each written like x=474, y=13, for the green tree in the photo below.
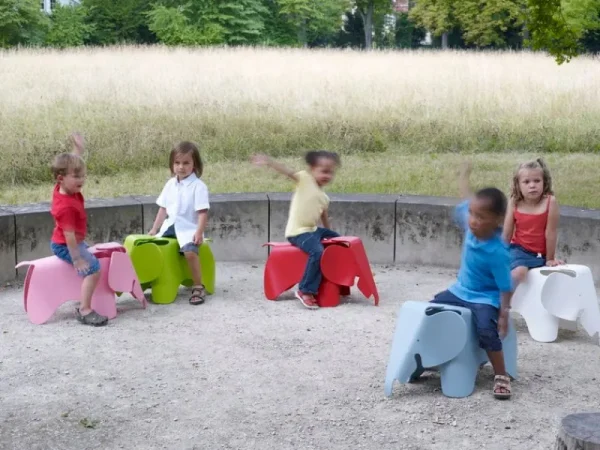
x=436, y=16
x=68, y=27
x=206, y=22
x=21, y=22
x=369, y=10
x=118, y=21
x=407, y=34
x=311, y=18
x=485, y=24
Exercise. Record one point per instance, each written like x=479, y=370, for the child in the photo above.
x=309, y=204
x=531, y=220
x=70, y=219
x=184, y=204
x=484, y=284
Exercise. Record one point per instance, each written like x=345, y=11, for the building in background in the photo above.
x=401, y=6
x=48, y=5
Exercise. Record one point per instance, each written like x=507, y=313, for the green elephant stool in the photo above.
x=159, y=266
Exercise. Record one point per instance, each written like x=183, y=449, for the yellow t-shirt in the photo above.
x=308, y=203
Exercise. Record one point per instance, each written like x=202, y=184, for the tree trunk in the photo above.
x=579, y=432
x=302, y=34
x=367, y=17
x=445, y=41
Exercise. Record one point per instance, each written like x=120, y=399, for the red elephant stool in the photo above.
x=343, y=260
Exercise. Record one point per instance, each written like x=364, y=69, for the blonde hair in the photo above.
x=539, y=164
x=66, y=163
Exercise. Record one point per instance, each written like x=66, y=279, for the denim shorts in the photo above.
x=520, y=257
x=485, y=318
x=61, y=251
x=189, y=247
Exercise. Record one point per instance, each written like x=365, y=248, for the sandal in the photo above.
x=198, y=294
x=502, y=387
x=92, y=318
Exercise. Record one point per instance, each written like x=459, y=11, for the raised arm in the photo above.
x=509, y=222
x=463, y=180
x=264, y=160
x=78, y=144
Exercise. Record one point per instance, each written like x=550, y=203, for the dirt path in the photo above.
x=241, y=372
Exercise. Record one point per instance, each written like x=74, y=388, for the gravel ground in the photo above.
x=241, y=372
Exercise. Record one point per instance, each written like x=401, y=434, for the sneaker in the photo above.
x=308, y=300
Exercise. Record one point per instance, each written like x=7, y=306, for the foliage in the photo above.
x=68, y=27
x=118, y=21
x=311, y=18
x=21, y=22
x=407, y=33
x=437, y=16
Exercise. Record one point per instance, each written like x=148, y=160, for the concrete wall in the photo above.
x=405, y=229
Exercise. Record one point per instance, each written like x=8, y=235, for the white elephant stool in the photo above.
x=50, y=282
x=556, y=297
x=433, y=336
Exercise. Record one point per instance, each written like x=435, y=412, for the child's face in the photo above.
x=323, y=171
x=531, y=183
x=72, y=182
x=482, y=222
x=183, y=165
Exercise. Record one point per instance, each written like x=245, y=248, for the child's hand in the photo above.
x=554, y=262
x=78, y=142
x=198, y=238
x=260, y=160
x=152, y=232
x=503, y=323
x=81, y=265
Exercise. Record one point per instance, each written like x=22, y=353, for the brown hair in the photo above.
x=312, y=158
x=66, y=163
x=187, y=148
x=539, y=163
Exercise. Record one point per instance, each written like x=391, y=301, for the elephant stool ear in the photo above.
x=148, y=261
x=442, y=337
x=560, y=296
x=338, y=265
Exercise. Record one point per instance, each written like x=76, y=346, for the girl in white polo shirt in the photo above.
x=183, y=210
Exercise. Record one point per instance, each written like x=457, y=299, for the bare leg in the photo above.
x=87, y=290
x=194, y=264
x=518, y=275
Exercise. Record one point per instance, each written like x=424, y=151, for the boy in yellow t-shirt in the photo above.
x=309, y=205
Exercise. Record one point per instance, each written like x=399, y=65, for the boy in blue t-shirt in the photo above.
x=484, y=282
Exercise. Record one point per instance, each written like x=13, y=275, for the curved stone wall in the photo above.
x=394, y=229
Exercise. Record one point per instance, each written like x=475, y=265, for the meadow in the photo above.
x=403, y=121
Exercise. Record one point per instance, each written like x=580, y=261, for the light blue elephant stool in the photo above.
x=432, y=336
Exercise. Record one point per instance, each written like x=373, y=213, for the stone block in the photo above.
x=111, y=220
x=7, y=246
x=33, y=229
x=579, y=238
x=426, y=232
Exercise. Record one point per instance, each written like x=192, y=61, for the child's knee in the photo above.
x=520, y=273
x=489, y=339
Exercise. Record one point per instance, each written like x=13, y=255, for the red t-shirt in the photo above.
x=69, y=214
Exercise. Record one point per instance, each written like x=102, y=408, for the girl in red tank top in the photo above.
x=531, y=220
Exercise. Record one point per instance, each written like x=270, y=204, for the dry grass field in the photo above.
x=403, y=121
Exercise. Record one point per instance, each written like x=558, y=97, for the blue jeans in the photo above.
x=189, y=247
x=310, y=243
x=485, y=319
x=521, y=257
x=61, y=251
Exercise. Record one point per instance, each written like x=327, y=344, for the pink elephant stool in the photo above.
x=51, y=282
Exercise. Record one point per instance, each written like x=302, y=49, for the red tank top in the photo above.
x=530, y=230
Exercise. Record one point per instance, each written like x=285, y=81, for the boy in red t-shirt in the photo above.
x=70, y=219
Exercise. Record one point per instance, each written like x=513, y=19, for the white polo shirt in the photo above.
x=182, y=200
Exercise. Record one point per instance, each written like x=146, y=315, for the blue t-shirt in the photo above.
x=484, y=266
